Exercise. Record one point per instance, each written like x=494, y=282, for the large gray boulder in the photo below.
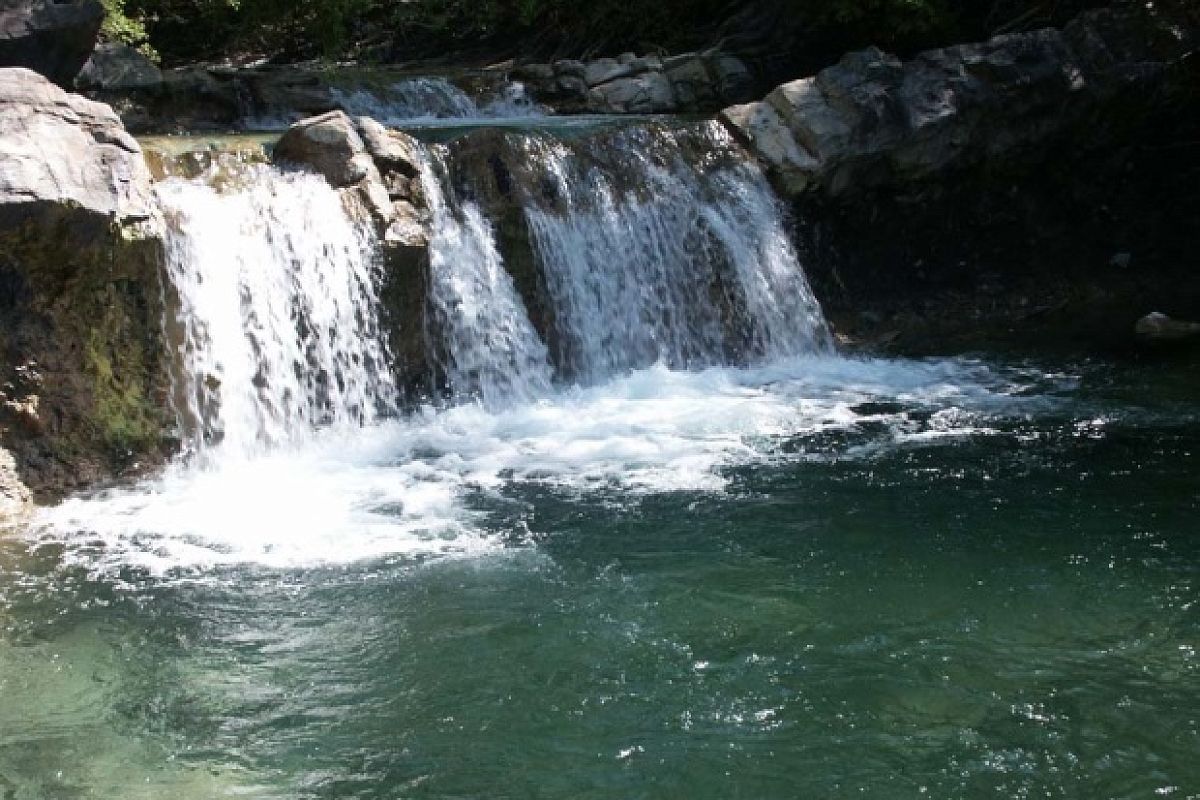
x=82, y=366
x=872, y=119
x=65, y=151
x=53, y=37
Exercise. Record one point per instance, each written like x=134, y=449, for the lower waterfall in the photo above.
x=665, y=335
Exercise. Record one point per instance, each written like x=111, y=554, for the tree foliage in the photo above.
x=191, y=30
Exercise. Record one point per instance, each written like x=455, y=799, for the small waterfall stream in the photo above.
x=276, y=311
x=488, y=348
x=661, y=260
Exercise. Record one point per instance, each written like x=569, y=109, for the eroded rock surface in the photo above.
x=377, y=169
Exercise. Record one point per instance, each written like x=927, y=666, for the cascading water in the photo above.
x=649, y=256
x=489, y=348
x=275, y=312
x=657, y=257
x=433, y=98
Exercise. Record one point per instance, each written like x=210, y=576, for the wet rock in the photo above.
x=640, y=84
x=118, y=67
x=603, y=70
x=82, y=371
x=51, y=37
x=330, y=145
x=1158, y=327
x=691, y=81
x=15, y=498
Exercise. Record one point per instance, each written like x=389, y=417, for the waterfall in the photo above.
x=491, y=350
x=428, y=98
x=649, y=257
x=274, y=311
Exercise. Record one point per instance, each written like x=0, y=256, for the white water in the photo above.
x=276, y=289
x=424, y=99
x=491, y=351
x=678, y=264
x=274, y=315
x=407, y=488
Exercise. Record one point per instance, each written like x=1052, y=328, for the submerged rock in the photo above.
x=82, y=375
x=52, y=37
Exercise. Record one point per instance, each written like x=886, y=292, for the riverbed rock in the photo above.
x=82, y=366
x=51, y=37
x=115, y=66
x=872, y=119
x=648, y=93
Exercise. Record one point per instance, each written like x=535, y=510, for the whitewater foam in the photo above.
x=407, y=488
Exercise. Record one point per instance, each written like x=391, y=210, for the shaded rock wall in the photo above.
x=1036, y=182
x=52, y=37
x=82, y=384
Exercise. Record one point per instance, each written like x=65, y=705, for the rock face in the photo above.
x=51, y=37
x=377, y=170
x=641, y=84
x=874, y=120
x=116, y=67
x=82, y=384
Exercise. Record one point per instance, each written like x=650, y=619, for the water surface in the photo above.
x=820, y=578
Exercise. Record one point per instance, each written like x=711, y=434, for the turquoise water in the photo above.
x=951, y=580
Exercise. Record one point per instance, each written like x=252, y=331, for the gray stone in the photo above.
x=692, y=84
x=570, y=67
x=872, y=120
x=64, y=149
x=118, y=66
x=82, y=384
x=51, y=37
x=648, y=93
x=392, y=150
x=330, y=145
x=603, y=70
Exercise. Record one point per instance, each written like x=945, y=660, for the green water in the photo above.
x=1011, y=613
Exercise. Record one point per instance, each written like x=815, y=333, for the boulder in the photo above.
x=52, y=37
x=114, y=66
x=690, y=80
x=647, y=93
x=330, y=145
x=872, y=119
x=603, y=70
x=63, y=150
x=82, y=365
